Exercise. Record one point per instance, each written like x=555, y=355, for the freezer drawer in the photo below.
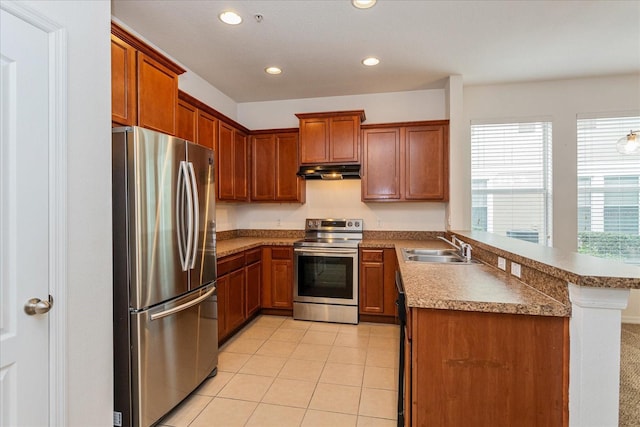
x=174, y=348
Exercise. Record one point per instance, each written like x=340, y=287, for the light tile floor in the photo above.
x=282, y=372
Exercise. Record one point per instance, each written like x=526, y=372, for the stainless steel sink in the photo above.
x=434, y=256
x=417, y=251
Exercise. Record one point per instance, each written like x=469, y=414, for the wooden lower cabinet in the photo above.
x=254, y=281
x=238, y=285
x=488, y=369
x=277, y=278
x=377, y=292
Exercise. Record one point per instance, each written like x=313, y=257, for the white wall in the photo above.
x=337, y=199
x=342, y=199
x=561, y=100
x=88, y=301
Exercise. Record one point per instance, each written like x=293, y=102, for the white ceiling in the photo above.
x=319, y=43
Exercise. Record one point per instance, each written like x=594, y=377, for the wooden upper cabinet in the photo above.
x=123, y=83
x=232, y=154
x=225, y=161
x=186, y=123
x=207, y=127
x=406, y=162
x=144, y=84
x=263, y=166
x=427, y=163
x=274, y=164
x=241, y=168
x=157, y=95
x=332, y=137
x=381, y=164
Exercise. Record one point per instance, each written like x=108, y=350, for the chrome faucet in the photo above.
x=464, y=248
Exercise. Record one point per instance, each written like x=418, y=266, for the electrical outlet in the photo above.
x=502, y=263
x=279, y=222
x=515, y=269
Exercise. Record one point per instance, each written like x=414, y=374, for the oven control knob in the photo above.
x=357, y=223
x=349, y=224
x=310, y=223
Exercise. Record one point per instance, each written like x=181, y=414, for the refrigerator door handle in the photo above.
x=195, y=207
x=184, y=189
x=165, y=313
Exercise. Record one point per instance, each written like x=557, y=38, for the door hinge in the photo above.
x=117, y=419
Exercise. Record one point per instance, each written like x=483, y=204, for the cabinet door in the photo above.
x=254, y=274
x=240, y=166
x=282, y=278
x=225, y=161
x=263, y=165
x=390, y=292
x=157, y=95
x=344, y=137
x=186, y=121
x=222, y=289
x=381, y=164
x=236, y=300
x=314, y=141
x=206, y=130
x=123, y=83
x=282, y=283
x=371, y=281
x=426, y=163
x=287, y=183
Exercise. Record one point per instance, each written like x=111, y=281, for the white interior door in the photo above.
x=24, y=222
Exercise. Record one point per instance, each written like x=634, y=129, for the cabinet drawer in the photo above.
x=230, y=263
x=372, y=255
x=253, y=255
x=281, y=253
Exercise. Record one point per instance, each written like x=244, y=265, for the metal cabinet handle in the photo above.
x=37, y=306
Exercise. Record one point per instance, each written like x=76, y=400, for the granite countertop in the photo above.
x=239, y=244
x=579, y=269
x=473, y=287
x=468, y=287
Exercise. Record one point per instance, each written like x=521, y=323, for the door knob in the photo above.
x=37, y=306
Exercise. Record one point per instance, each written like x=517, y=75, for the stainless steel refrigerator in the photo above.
x=164, y=273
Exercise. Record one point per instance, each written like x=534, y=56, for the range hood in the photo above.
x=329, y=172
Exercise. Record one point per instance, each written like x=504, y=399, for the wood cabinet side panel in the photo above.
x=123, y=83
x=474, y=368
x=157, y=95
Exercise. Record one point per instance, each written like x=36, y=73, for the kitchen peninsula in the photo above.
x=533, y=317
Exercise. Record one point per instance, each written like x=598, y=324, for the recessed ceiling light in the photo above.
x=370, y=61
x=229, y=17
x=363, y=4
x=273, y=70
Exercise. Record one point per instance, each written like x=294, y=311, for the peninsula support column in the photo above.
x=594, y=361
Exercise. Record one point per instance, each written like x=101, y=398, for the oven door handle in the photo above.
x=326, y=252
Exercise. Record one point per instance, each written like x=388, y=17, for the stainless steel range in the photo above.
x=326, y=271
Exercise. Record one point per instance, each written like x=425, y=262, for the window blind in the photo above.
x=608, y=190
x=511, y=179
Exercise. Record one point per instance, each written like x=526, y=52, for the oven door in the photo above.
x=326, y=275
